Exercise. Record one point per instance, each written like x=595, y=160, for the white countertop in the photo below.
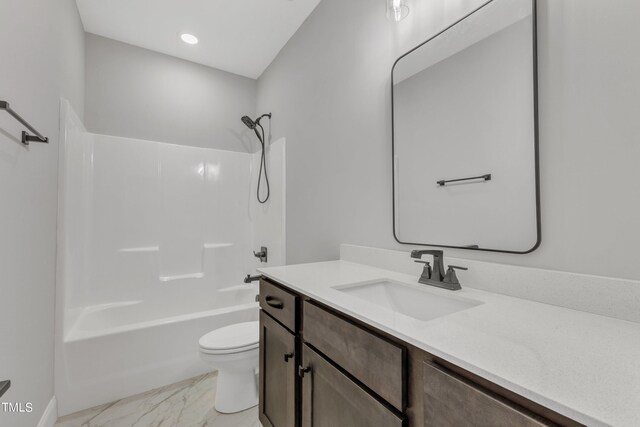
x=581, y=365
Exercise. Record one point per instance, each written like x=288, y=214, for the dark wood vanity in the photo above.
x=321, y=368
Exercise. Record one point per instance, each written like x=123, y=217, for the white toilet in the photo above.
x=233, y=351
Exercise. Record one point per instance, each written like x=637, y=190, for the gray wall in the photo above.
x=71, y=55
x=42, y=56
x=138, y=93
x=329, y=92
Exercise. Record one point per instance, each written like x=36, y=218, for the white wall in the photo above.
x=329, y=90
x=137, y=93
x=35, y=35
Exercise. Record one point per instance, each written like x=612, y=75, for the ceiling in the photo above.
x=239, y=36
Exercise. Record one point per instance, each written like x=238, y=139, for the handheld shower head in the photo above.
x=248, y=122
x=259, y=130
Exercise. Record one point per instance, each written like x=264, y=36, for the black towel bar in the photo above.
x=4, y=386
x=26, y=138
x=486, y=177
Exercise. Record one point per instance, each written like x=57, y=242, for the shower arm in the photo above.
x=262, y=117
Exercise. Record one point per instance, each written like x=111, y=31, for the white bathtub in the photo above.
x=116, y=350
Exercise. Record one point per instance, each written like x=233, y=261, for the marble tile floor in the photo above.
x=185, y=404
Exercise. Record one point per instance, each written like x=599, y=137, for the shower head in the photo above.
x=248, y=122
x=252, y=124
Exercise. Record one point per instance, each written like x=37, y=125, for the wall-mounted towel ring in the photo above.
x=26, y=138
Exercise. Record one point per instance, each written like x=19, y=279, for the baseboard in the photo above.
x=50, y=415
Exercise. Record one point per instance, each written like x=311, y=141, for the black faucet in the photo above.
x=251, y=278
x=438, y=262
x=437, y=276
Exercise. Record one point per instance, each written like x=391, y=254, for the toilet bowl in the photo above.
x=233, y=351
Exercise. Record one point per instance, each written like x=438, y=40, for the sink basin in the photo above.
x=408, y=300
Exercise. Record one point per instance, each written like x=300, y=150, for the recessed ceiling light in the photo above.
x=189, y=38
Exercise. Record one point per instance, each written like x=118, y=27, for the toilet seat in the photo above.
x=231, y=339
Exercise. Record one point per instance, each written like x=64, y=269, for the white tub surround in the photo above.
x=128, y=316
x=581, y=365
x=154, y=241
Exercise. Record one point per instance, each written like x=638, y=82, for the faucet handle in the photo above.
x=426, y=271
x=262, y=255
x=451, y=277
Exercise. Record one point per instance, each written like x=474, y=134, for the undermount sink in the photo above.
x=408, y=300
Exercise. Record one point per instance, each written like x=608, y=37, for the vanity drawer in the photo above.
x=374, y=361
x=452, y=401
x=280, y=304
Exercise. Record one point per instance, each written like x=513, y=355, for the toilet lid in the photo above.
x=238, y=337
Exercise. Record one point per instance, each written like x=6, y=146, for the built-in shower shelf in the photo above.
x=157, y=248
x=181, y=277
x=141, y=249
x=217, y=245
x=4, y=386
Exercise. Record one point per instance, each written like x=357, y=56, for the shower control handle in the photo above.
x=262, y=255
x=287, y=357
x=274, y=302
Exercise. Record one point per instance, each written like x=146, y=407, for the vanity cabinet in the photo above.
x=331, y=399
x=322, y=368
x=279, y=356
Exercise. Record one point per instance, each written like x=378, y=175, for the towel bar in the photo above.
x=26, y=138
x=4, y=386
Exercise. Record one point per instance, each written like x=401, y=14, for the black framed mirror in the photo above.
x=465, y=134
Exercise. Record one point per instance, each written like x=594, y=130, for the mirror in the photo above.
x=465, y=139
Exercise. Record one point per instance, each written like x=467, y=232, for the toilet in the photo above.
x=233, y=351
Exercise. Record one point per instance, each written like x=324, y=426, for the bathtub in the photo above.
x=115, y=350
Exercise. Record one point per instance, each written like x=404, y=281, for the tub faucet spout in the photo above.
x=251, y=278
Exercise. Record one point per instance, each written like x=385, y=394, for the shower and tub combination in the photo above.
x=154, y=242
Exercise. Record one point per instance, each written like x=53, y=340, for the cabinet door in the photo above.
x=452, y=401
x=374, y=361
x=331, y=399
x=277, y=374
